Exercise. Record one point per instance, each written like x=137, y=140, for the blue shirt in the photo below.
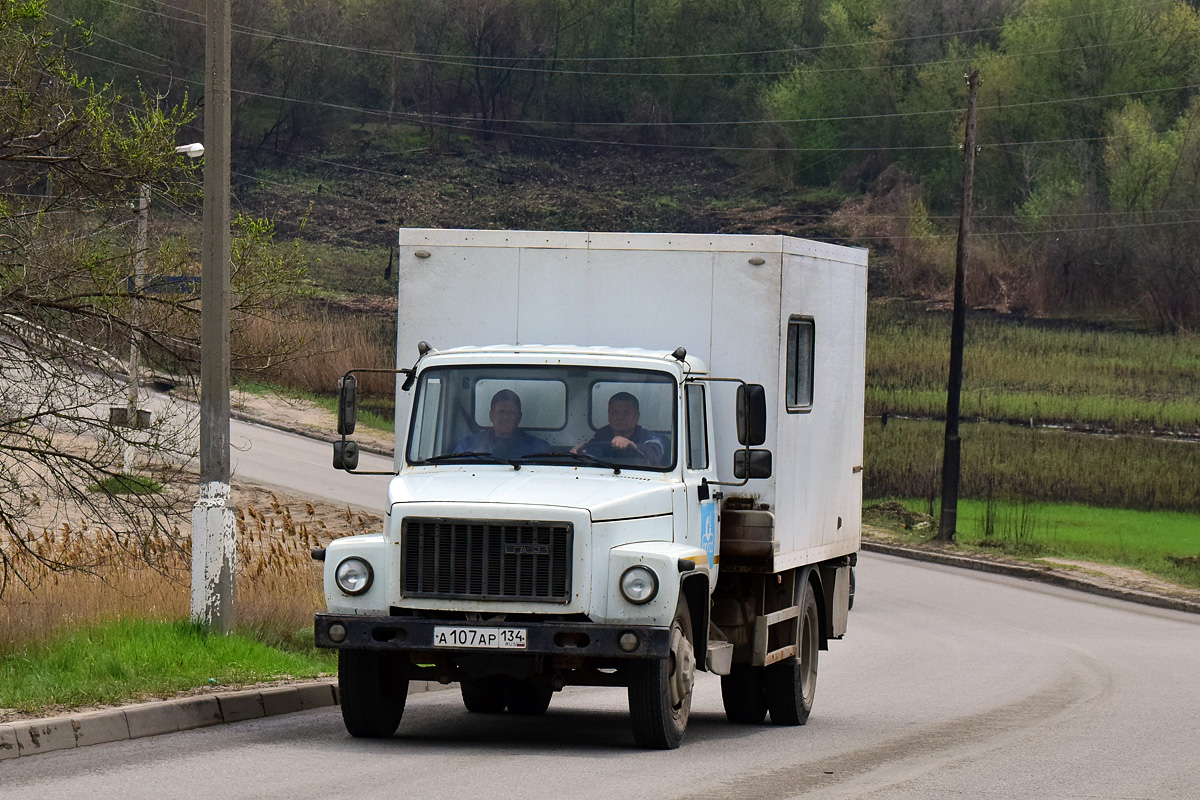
x=515, y=446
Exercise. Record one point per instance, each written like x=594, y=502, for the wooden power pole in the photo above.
x=213, y=522
x=952, y=452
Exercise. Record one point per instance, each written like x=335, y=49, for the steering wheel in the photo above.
x=606, y=452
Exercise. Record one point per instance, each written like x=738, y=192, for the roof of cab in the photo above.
x=694, y=363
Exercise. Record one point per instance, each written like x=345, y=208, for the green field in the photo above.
x=131, y=659
x=1163, y=543
x=904, y=458
x=1033, y=371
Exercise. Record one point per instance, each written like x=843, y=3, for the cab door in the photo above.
x=699, y=466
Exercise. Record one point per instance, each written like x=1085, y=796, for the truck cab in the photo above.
x=520, y=555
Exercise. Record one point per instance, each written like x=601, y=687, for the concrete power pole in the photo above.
x=135, y=362
x=952, y=452
x=213, y=523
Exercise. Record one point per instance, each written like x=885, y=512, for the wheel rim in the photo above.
x=682, y=670
x=808, y=655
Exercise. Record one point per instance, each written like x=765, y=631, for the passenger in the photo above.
x=504, y=439
x=623, y=437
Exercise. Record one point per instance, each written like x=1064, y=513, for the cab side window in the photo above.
x=697, y=430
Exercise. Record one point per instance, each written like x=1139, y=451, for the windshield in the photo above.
x=544, y=414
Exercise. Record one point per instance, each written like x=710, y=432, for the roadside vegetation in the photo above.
x=136, y=659
x=99, y=617
x=1034, y=372
x=1161, y=543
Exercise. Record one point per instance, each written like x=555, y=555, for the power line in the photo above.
x=416, y=55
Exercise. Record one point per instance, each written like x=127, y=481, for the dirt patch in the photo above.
x=304, y=417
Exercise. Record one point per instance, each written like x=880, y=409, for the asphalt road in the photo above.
x=304, y=467
x=949, y=684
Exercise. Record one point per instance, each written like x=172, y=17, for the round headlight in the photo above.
x=639, y=584
x=353, y=576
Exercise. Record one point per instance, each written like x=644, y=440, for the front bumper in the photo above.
x=588, y=639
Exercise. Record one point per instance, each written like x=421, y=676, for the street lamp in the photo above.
x=132, y=419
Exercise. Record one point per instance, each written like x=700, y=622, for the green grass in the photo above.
x=127, y=484
x=350, y=270
x=903, y=459
x=130, y=659
x=1146, y=540
x=1018, y=371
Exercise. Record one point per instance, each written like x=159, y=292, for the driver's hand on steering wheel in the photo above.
x=621, y=443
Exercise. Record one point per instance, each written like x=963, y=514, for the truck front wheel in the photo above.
x=373, y=692
x=792, y=684
x=660, y=691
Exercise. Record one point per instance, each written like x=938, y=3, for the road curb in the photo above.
x=1033, y=573
x=32, y=737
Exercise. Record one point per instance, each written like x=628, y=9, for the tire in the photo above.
x=792, y=684
x=373, y=692
x=484, y=696
x=660, y=691
x=528, y=699
x=743, y=695
x=851, y=605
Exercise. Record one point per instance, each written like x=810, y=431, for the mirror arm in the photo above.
x=408, y=376
x=706, y=379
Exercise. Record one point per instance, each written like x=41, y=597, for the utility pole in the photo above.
x=213, y=523
x=952, y=452
x=139, y=274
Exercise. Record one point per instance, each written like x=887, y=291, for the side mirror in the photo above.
x=751, y=415
x=760, y=464
x=345, y=455
x=347, y=405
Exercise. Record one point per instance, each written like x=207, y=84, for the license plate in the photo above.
x=482, y=638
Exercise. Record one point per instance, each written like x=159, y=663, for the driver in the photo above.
x=504, y=439
x=624, y=435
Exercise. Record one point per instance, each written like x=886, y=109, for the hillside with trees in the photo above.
x=1088, y=143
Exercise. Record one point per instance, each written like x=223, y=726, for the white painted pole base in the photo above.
x=214, y=532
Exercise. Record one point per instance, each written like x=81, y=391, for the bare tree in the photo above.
x=72, y=156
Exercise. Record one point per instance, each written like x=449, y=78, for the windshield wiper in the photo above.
x=584, y=457
x=486, y=458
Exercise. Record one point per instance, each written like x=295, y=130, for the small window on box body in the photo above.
x=800, y=349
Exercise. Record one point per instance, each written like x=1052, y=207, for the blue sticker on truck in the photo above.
x=708, y=529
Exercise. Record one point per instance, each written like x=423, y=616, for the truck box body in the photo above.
x=727, y=299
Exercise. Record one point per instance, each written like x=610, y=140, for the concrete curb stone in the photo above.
x=31, y=737
x=44, y=736
x=8, y=742
x=240, y=706
x=99, y=727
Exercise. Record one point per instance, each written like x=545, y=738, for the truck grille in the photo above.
x=486, y=559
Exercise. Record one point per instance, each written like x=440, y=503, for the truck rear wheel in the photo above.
x=373, y=692
x=660, y=691
x=743, y=695
x=792, y=684
x=528, y=699
x=484, y=696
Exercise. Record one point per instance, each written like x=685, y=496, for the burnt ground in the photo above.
x=367, y=184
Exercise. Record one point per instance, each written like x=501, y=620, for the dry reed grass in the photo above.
x=79, y=574
x=322, y=345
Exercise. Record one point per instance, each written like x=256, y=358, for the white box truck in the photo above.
x=675, y=489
